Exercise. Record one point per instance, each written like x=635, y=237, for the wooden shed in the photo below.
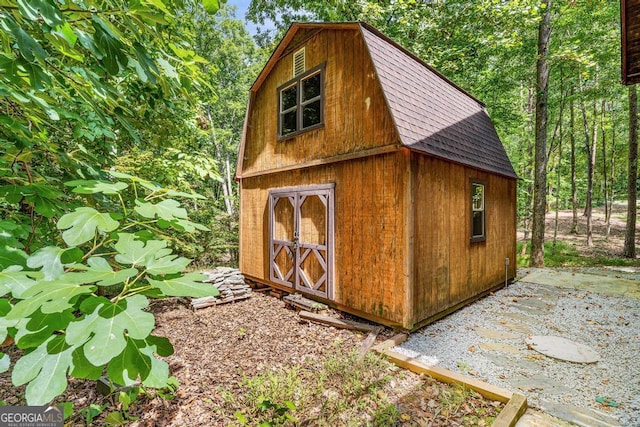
x=370, y=182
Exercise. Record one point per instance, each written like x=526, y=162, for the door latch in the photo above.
x=295, y=240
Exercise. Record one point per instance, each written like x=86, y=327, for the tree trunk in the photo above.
x=591, y=155
x=226, y=174
x=591, y=169
x=604, y=165
x=540, y=164
x=574, y=192
x=632, y=175
x=527, y=169
x=558, y=164
x=612, y=170
x=559, y=160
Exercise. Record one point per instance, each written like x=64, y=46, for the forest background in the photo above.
x=147, y=123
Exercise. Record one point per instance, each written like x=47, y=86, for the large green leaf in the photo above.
x=49, y=259
x=45, y=369
x=189, y=285
x=47, y=9
x=131, y=363
x=170, y=264
x=100, y=272
x=188, y=226
x=29, y=47
x=39, y=327
x=136, y=252
x=174, y=193
x=49, y=297
x=14, y=281
x=81, y=225
x=5, y=362
x=138, y=360
x=82, y=368
x=146, y=68
x=159, y=372
x=168, y=209
x=10, y=255
x=103, y=331
x=93, y=186
x=162, y=345
x=5, y=324
x=115, y=57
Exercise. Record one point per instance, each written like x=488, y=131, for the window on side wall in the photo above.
x=478, y=209
x=301, y=103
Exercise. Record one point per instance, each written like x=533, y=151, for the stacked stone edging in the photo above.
x=229, y=282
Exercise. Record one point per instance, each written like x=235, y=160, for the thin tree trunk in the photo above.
x=591, y=152
x=591, y=169
x=528, y=169
x=612, y=169
x=585, y=128
x=574, y=192
x=604, y=164
x=632, y=175
x=226, y=173
x=540, y=164
x=559, y=163
x=555, y=228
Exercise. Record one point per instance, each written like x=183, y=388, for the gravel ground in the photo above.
x=610, y=325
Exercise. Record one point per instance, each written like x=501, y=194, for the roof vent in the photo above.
x=298, y=62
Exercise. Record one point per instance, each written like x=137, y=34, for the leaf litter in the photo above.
x=226, y=354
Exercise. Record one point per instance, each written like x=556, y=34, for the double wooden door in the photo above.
x=301, y=238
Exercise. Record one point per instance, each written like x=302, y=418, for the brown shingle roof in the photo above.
x=431, y=113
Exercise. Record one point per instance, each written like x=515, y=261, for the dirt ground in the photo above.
x=606, y=246
x=217, y=349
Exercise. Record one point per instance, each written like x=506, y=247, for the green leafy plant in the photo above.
x=125, y=399
x=91, y=412
x=81, y=309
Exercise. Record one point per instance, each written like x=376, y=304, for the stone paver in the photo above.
x=512, y=362
x=495, y=334
x=501, y=347
x=587, y=282
x=563, y=349
x=534, y=418
x=518, y=316
x=515, y=327
x=579, y=416
x=528, y=383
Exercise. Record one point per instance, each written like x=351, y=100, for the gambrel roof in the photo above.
x=431, y=114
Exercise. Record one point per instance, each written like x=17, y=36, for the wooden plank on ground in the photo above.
x=487, y=390
x=516, y=404
x=368, y=342
x=303, y=303
x=337, y=323
x=391, y=342
x=512, y=412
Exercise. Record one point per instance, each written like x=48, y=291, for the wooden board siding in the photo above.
x=355, y=114
x=630, y=18
x=369, y=230
x=448, y=268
